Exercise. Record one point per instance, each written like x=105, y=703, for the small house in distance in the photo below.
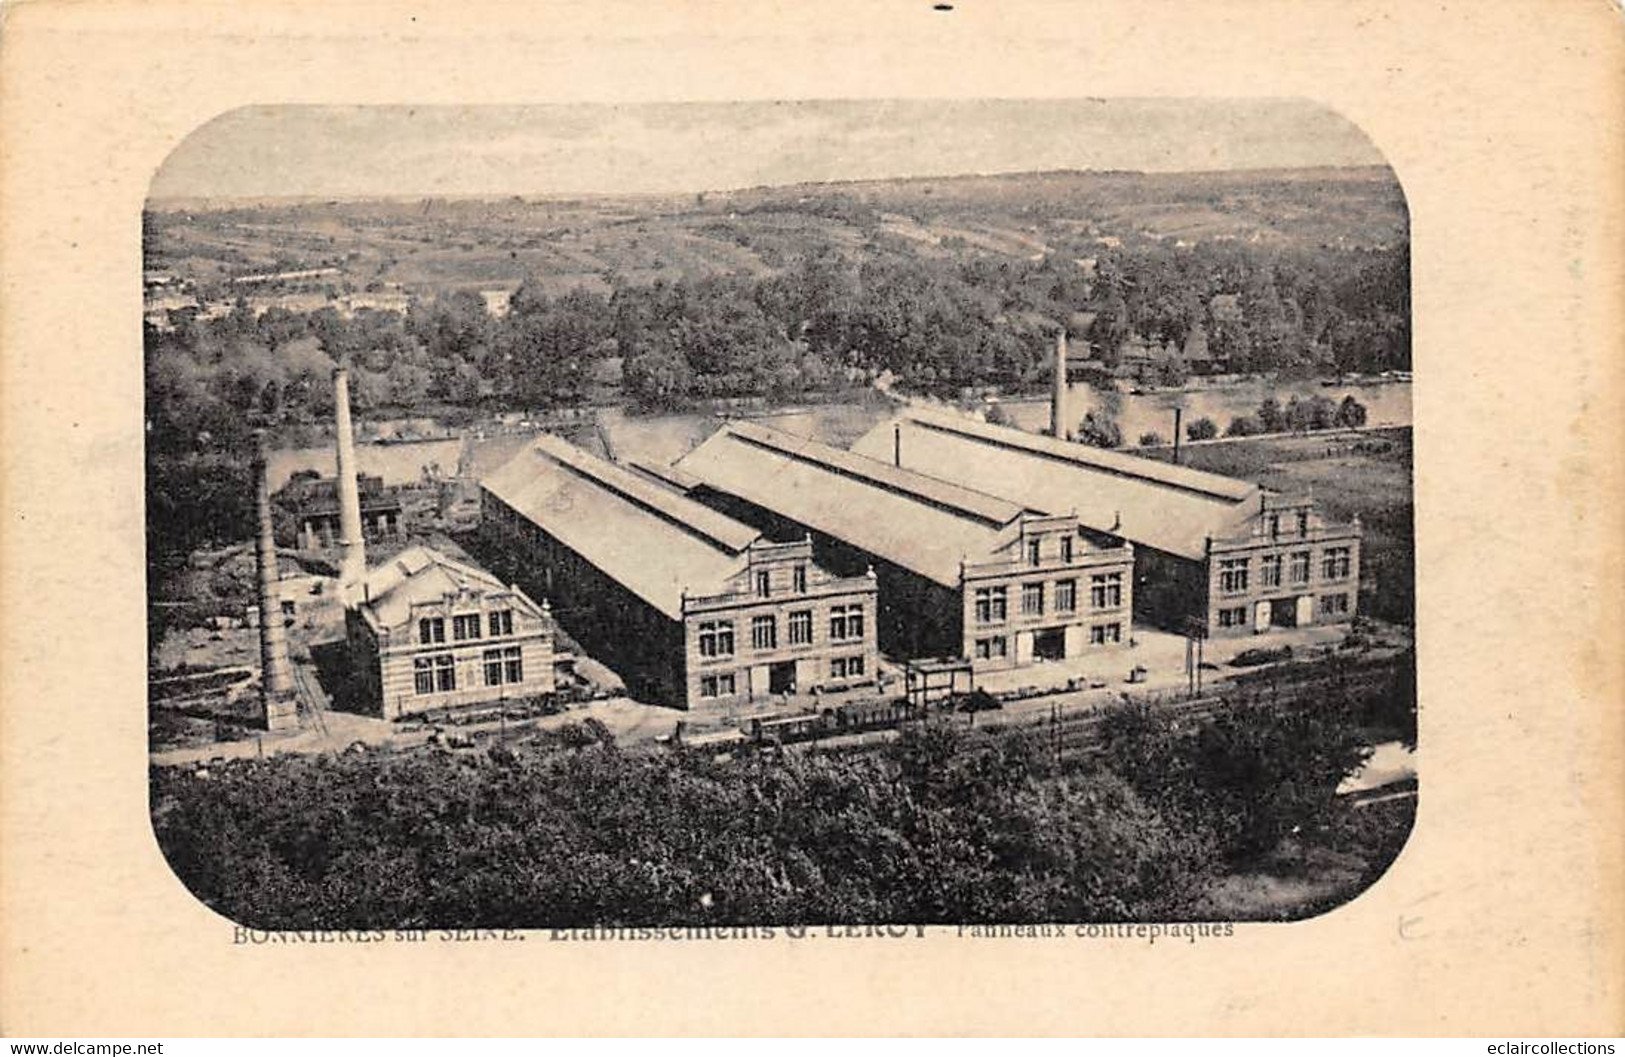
x=310, y=503
x=430, y=632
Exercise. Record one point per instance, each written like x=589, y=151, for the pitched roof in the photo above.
x=652, y=540
x=421, y=574
x=1170, y=508
x=921, y=523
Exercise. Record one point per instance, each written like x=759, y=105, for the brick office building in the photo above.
x=961, y=573
x=689, y=606
x=1212, y=554
x=430, y=632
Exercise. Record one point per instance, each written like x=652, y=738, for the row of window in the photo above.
x=717, y=636
x=996, y=647
x=726, y=684
x=465, y=627
x=1275, y=524
x=437, y=673
x=1105, y=592
x=764, y=581
x=1035, y=550
x=1326, y=606
x=1235, y=573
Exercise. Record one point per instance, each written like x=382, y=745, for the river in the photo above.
x=666, y=438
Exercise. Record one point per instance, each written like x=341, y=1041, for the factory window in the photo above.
x=501, y=622
x=1269, y=570
x=801, y=579
x=1035, y=550
x=990, y=605
x=432, y=629
x=1106, y=590
x=845, y=667
x=464, y=628
x=1303, y=522
x=1334, y=605
x=1101, y=634
x=1066, y=548
x=717, y=638
x=1066, y=596
x=1232, y=575
x=845, y=623
x=720, y=685
x=1233, y=618
x=801, y=627
x=513, y=664
x=764, y=633
x=1334, y=564
x=493, y=667
x=436, y=674
x=764, y=583
x=1300, y=567
x=990, y=648
x=1275, y=525
x=1032, y=598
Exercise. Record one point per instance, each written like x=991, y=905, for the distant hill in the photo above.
x=432, y=244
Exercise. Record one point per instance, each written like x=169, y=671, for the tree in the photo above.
x=659, y=378
x=1350, y=412
x=1242, y=426
x=1202, y=429
x=1100, y=430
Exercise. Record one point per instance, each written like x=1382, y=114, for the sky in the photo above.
x=270, y=151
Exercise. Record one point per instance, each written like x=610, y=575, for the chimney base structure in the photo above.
x=279, y=708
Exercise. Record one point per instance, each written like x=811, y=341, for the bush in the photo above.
x=1243, y=426
x=1100, y=430
x=1150, y=440
x=1202, y=429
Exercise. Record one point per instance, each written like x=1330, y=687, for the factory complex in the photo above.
x=764, y=566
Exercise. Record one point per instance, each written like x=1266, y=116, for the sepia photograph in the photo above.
x=739, y=517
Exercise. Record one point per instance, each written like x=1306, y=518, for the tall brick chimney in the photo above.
x=278, y=709
x=353, y=563
x=1059, y=424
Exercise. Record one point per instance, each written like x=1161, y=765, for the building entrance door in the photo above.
x=1049, y=644
x=1284, y=613
x=781, y=678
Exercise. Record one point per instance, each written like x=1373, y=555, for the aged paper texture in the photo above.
x=1502, y=123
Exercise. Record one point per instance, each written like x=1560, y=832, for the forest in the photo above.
x=946, y=824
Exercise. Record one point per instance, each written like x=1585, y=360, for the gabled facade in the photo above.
x=431, y=632
x=960, y=573
x=690, y=607
x=1212, y=555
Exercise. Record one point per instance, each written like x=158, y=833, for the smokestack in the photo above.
x=278, y=709
x=353, y=564
x=1059, y=427
x=1179, y=417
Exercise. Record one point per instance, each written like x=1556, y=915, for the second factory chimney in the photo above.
x=353, y=563
x=1059, y=426
x=279, y=711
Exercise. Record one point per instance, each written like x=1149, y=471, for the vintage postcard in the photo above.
x=789, y=524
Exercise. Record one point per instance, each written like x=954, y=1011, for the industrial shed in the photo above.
x=1213, y=555
x=689, y=606
x=962, y=573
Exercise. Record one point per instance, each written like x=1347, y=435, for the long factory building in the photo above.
x=961, y=573
x=686, y=604
x=1213, y=555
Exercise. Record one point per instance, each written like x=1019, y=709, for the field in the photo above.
x=1366, y=474
x=431, y=245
